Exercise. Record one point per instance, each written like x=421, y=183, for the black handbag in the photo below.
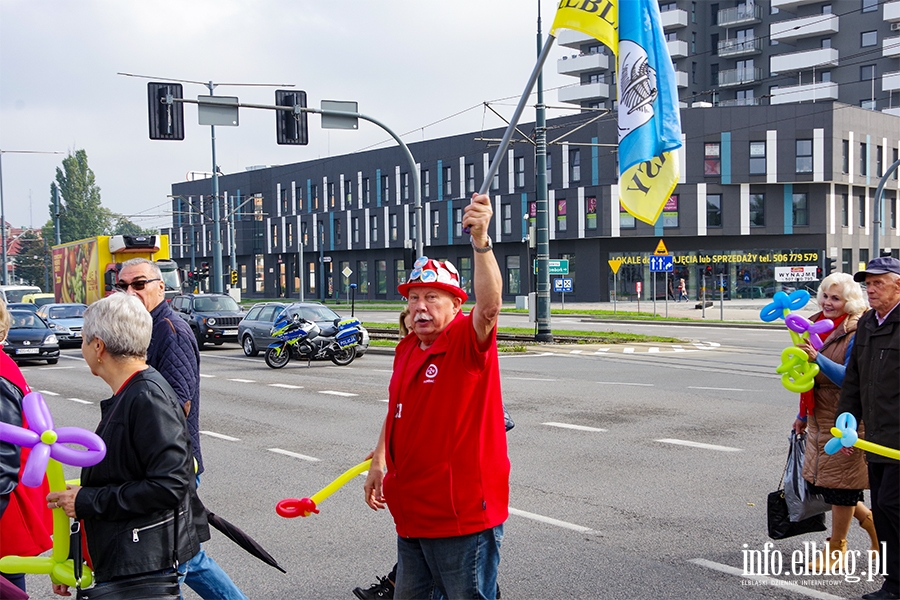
x=779, y=519
x=152, y=585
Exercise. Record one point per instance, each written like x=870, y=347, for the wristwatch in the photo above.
x=488, y=248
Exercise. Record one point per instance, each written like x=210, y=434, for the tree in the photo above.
x=81, y=213
x=124, y=226
x=31, y=257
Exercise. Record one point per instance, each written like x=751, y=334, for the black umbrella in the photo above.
x=243, y=540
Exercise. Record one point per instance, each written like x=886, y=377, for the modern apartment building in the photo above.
x=763, y=52
x=763, y=187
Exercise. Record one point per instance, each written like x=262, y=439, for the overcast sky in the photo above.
x=410, y=64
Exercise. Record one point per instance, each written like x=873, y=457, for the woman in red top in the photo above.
x=25, y=520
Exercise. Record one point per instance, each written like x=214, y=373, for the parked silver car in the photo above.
x=66, y=321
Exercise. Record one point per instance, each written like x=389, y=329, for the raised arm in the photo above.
x=486, y=278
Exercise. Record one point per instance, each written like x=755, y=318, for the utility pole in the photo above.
x=544, y=333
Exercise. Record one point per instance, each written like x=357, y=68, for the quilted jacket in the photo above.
x=174, y=353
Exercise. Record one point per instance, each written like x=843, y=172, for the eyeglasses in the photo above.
x=138, y=285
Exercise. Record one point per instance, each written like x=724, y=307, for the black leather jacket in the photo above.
x=128, y=499
x=10, y=412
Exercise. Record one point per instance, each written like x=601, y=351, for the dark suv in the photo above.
x=214, y=318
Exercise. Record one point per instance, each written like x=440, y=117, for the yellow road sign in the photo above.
x=660, y=249
x=614, y=264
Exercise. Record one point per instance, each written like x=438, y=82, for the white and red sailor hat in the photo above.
x=428, y=272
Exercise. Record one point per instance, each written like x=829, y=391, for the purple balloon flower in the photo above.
x=46, y=442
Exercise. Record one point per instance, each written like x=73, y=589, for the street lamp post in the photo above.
x=322, y=258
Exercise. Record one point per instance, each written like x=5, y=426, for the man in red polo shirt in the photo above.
x=443, y=443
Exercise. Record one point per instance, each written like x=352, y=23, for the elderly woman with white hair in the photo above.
x=839, y=478
x=128, y=500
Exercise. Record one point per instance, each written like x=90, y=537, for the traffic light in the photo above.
x=830, y=265
x=409, y=257
x=709, y=270
x=291, y=126
x=204, y=269
x=819, y=273
x=234, y=278
x=166, y=115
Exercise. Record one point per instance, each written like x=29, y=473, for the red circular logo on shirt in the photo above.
x=431, y=371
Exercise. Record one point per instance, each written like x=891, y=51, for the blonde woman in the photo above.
x=839, y=478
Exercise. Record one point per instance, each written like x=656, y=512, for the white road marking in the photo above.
x=698, y=387
x=221, y=436
x=678, y=349
x=601, y=350
x=653, y=349
x=53, y=368
x=385, y=400
x=576, y=351
x=769, y=581
x=243, y=380
x=286, y=386
x=699, y=445
x=48, y=393
x=294, y=454
x=207, y=376
x=623, y=383
x=80, y=401
x=550, y=520
x=334, y=393
x=576, y=427
x=628, y=350
x=529, y=379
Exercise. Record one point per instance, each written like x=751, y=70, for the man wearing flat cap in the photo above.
x=871, y=392
x=443, y=443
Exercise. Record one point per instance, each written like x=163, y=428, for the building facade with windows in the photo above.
x=761, y=187
x=750, y=52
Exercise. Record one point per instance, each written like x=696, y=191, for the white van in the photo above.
x=15, y=293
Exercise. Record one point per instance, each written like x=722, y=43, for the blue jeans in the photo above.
x=203, y=575
x=454, y=567
x=206, y=577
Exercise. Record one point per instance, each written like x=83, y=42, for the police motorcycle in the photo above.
x=299, y=338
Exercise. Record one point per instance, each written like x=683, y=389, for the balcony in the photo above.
x=569, y=38
x=671, y=19
x=808, y=92
x=739, y=76
x=891, y=111
x=890, y=47
x=577, y=94
x=577, y=64
x=736, y=47
x=890, y=81
x=740, y=15
x=892, y=11
x=793, y=29
x=681, y=78
x=798, y=61
x=792, y=5
x=739, y=102
x=677, y=48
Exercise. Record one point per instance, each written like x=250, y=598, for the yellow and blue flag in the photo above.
x=649, y=120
